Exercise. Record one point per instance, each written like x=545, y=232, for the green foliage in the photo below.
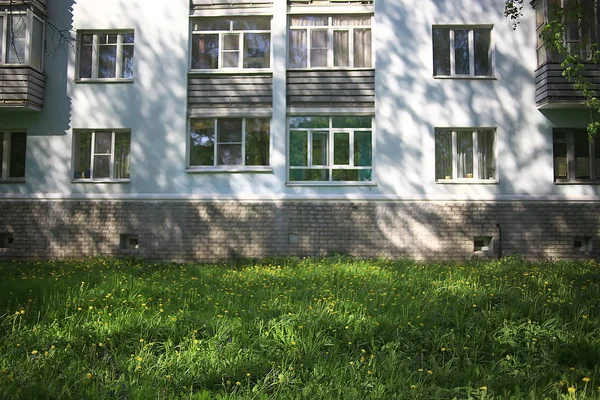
x=333, y=328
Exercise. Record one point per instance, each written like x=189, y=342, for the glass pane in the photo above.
x=210, y=24
x=231, y=60
x=309, y=175
x=310, y=122
x=257, y=141
x=309, y=20
x=37, y=45
x=560, y=161
x=1, y=138
x=18, y=146
x=229, y=130
x=122, y=155
x=487, y=158
x=103, y=143
x=351, y=175
x=127, y=70
x=341, y=50
x=461, y=52
x=83, y=151
x=582, y=155
x=299, y=148
x=298, y=49
x=252, y=24
x=231, y=41
x=319, y=148
x=539, y=13
x=257, y=50
x=202, y=142
x=362, y=48
x=85, y=61
x=352, y=122
x=229, y=154
x=363, y=149
x=107, y=67
x=128, y=37
x=464, y=152
x=443, y=154
x=318, y=52
x=205, y=51
x=352, y=20
x=482, y=41
x=341, y=148
x=16, y=39
x=1, y=37
x=441, y=51
x=102, y=167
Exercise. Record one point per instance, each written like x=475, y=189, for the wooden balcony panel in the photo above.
x=21, y=87
x=553, y=90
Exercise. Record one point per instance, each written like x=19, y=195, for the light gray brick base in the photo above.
x=209, y=231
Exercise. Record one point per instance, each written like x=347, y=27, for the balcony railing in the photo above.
x=21, y=87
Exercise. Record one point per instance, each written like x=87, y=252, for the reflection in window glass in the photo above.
x=298, y=49
x=464, y=141
x=443, y=154
x=482, y=39
x=18, y=147
x=100, y=57
x=441, y=51
x=202, y=142
x=461, y=52
x=341, y=148
x=318, y=49
x=299, y=148
x=257, y=50
x=320, y=148
x=205, y=51
x=16, y=39
x=582, y=157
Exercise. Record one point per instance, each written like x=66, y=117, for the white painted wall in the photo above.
x=410, y=104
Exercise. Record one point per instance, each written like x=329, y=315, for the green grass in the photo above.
x=310, y=328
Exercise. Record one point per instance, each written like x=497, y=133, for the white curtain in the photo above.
x=352, y=20
x=298, y=48
x=487, y=159
x=318, y=48
x=443, y=154
x=464, y=154
x=341, y=48
x=362, y=48
x=309, y=20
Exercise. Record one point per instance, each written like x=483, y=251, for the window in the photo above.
x=331, y=149
x=106, y=55
x=231, y=43
x=576, y=159
x=102, y=155
x=462, y=51
x=12, y=155
x=242, y=142
x=21, y=39
x=339, y=41
x=465, y=154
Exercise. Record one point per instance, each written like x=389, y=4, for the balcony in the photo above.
x=21, y=87
x=553, y=90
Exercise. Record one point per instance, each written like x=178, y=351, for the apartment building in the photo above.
x=210, y=129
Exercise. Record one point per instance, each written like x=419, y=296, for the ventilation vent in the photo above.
x=129, y=242
x=482, y=244
x=6, y=240
x=582, y=243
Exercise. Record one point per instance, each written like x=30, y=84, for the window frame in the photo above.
x=92, y=179
x=6, y=150
x=221, y=33
x=229, y=167
x=470, y=28
x=4, y=27
x=571, y=163
x=96, y=59
x=476, y=170
x=330, y=152
x=330, y=28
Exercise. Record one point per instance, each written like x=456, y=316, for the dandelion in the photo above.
x=413, y=387
x=139, y=359
x=34, y=352
x=89, y=376
x=369, y=373
x=586, y=379
x=571, y=389
x=100, y=344
x=483, y=388
x=430, y=372
x=238, y=383
x=248, y=374
x=443, y=349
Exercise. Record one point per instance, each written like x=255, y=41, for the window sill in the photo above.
x=95, y=181
x=12, y=180
x=466, y=77
x=329, y=184
x=231, y=71
x=331, y=69
x=581, y=182
x=106, y=80
x=467, y=181
x=229, y=169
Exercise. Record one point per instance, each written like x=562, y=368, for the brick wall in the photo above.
x=207, y=231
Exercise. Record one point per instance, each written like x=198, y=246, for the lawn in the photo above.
x=299, y=328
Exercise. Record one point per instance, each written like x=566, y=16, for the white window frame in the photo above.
x=476, y=170
x=92, y=179
x=571, y=163
x=5, y=165
x=330, y=153
x=221, y=33
x=330, y=50
x=95, y=55
x=229, y=167
x=4, y=27
x=471, y=29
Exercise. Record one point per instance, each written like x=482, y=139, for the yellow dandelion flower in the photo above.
x=238, y=383
x=413, y=387
x=586, y=379
x=89, y=376
x=430, y=372
x=34, y=352
x=248, y=374
x=571, y=389
x=369, y=373
x=483, y=388
x=443, y=349
x=100, y=344
x=139, y=359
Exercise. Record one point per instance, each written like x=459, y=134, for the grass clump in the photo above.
x=318, y=328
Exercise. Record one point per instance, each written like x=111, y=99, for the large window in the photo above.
x=576, y=158
x=331, y=149
x=21, y=39
x=216, y=142
x=462, y=51
x=12, y=155
x=102, y=155
x=339, y=41
x=231, y=43
x=106, y=55
x=467, y=155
